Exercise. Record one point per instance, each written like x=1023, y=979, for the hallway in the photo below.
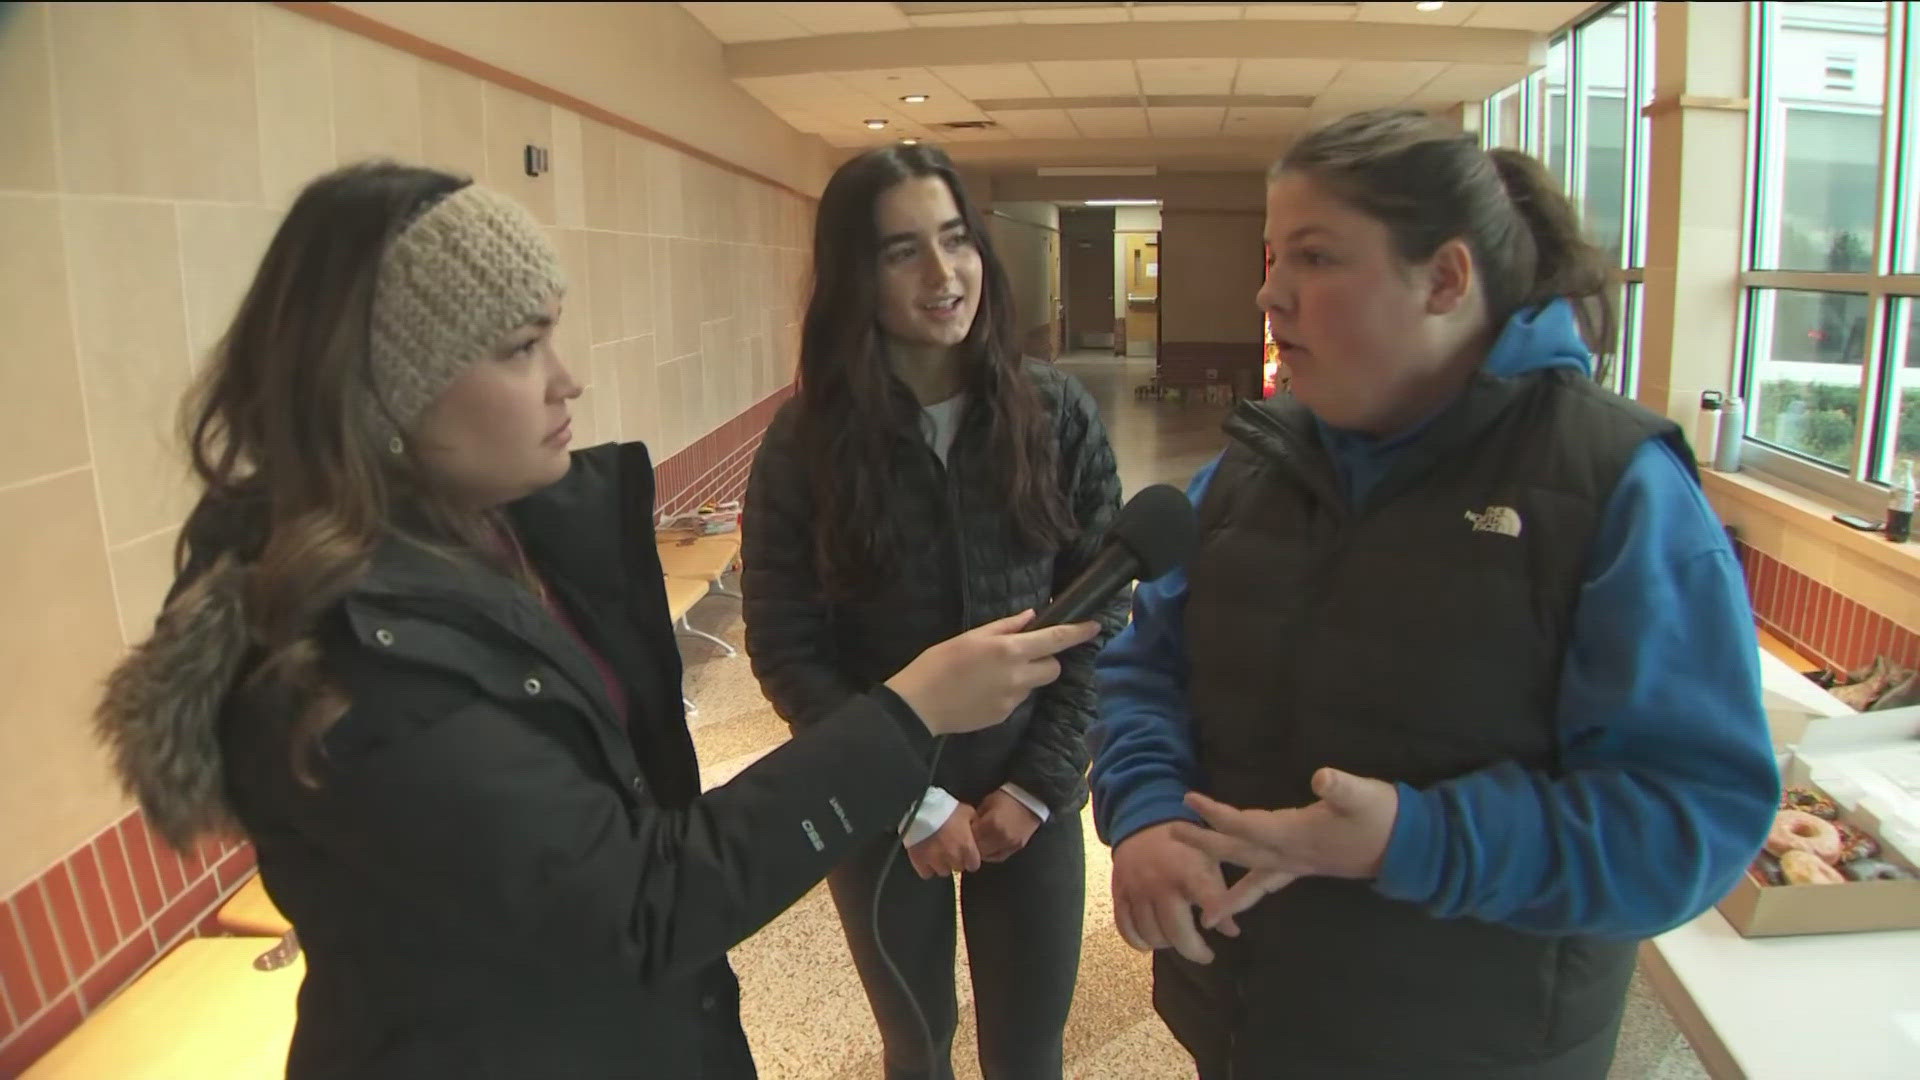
x=801, y=1001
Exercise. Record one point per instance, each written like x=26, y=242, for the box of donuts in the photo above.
x=1844, y=851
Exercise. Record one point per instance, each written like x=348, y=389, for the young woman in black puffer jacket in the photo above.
x=924, y=479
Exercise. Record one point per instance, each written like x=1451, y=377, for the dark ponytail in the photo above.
x=1429, y=183
x=1565, y=262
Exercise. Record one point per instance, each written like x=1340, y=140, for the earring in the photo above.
x=395, y=446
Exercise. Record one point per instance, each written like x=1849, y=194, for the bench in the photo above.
x=250, y=912
x=204, y=1011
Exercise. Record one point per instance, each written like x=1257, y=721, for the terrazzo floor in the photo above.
x=802, y=1005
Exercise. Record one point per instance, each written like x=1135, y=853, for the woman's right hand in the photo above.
x=977, y=679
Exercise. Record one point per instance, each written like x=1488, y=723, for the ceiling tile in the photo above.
x=1285, y=76
x=889, y=85
x=1186, y=76
x=733, y=23
x=1111, y=123
x=1264, y=121
x=965, y=18
x=1475, y=82
x=1057, y=15
x=1036, y=124
x=1187, y=12
x=976, y=81
x=1448, y=15
x=1540, y=18
x=1386, y=81
x=799, y=89
x=1185, y=122
x=1087, y=78
x=1313, y=12
x=846, y=18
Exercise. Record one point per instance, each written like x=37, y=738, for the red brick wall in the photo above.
x=1820, y=623
x=87, y=926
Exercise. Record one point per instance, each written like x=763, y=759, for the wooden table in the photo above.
x=702, y=558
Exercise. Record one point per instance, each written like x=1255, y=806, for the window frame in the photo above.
x=1860, y=485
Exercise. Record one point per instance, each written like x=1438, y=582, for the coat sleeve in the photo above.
x=504, y=841
x=1051, y=762
x=788, y=627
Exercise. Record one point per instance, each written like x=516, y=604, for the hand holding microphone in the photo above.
x=976, y=679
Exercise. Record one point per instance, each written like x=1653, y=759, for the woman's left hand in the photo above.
x=1002, y=826
x=1343, y=835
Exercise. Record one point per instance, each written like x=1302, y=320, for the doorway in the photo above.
x=1141, y=279
x=1086, y=235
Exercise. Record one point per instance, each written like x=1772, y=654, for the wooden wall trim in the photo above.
x=355, y=23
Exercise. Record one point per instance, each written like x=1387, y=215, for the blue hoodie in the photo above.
x=1669, y=782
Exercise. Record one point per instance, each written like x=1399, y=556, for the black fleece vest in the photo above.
x=1414, y=638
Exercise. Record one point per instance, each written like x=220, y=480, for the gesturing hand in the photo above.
x=1157, y=882
x=1343, y=835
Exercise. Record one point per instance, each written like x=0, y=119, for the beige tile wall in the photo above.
x=151, y=150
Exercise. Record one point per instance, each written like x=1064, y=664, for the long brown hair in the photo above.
x=273, y=429
x=853, y=406
x=1429, y=183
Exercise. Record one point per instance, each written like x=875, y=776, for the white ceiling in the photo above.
x=1077, y=76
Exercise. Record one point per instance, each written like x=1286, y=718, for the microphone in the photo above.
x=1154, y=533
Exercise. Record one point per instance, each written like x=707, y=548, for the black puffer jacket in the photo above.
x=961, y=566
x=495, y=878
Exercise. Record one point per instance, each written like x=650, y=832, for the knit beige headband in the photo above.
x=452, y=285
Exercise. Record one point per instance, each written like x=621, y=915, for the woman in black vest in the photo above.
x=926, y=476
x=1462, y=634
x=419, y=654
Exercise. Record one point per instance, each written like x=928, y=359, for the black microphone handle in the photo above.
x=1109, y=572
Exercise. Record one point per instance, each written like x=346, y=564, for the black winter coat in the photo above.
x=494, y=877
x=961, y=566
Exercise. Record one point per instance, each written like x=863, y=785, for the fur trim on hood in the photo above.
x=160, y=717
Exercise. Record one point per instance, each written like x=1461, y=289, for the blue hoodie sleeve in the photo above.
x=1668, y=781
x=1142, y=739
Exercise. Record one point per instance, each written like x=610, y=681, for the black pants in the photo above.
x=1023, y=920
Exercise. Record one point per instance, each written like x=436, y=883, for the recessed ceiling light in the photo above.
x=875, y=125
x=1429, y=5
x=1120, y=202
x=915, y=99
x=909, y=142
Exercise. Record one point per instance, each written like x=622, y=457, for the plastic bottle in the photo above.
x=1706, y=430
x=1900, y=503
x=1733, y=429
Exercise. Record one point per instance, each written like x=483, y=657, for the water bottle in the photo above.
x=1706, y=430
x=1900, y=504
x=1733, y=429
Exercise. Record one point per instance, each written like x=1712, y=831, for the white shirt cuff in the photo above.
x=935, y=809
x=1027, y=800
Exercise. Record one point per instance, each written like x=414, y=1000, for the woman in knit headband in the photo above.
x=419, y=654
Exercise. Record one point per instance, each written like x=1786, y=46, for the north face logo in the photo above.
x=1504, y=520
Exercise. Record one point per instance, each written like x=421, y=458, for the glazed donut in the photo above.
x=1873, y=870
x=1806, y=868
x=1797, y=830
x=1855, y=844
x=1799, y=798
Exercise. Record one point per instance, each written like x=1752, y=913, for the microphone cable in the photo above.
x=879, y=943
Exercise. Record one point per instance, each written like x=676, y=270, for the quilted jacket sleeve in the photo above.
x=1051, y=762
x=789, y=638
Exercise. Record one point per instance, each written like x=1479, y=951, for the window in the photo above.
x=1581, y=115
x=1554, y=138
x=1831, y=355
